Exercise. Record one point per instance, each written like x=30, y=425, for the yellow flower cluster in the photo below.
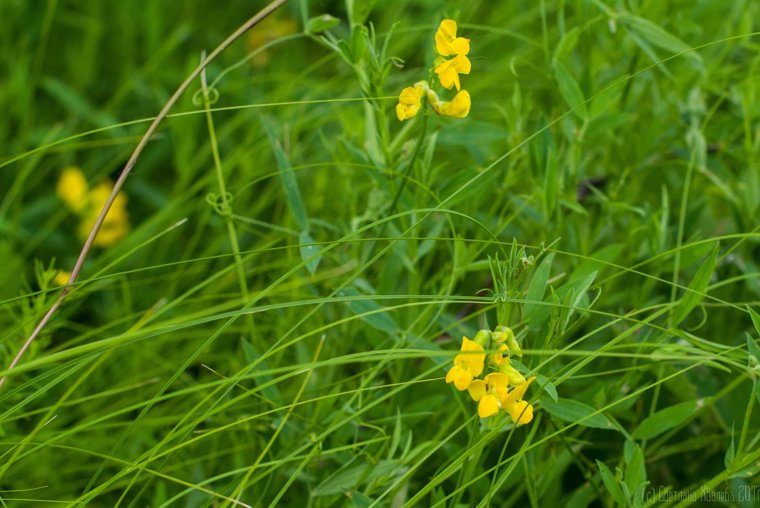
x=87, y=203
x=448, y=70
x=492, y=392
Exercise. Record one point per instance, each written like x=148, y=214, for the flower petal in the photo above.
x=488, y=406
x=447, y=75
x=459, y=107
x=461, y=64
x=477, y=389
x=409, y=101
x=515, y=378
x=401, y=112
x=444, y=37
x=501, y=355
x=517, y=394
x=496, y=380
x=72, y=188
x=460, y=377
x=473, y=355
x=521, y=412
x=461, y=45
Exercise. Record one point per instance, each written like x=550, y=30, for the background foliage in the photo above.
x=617, y=143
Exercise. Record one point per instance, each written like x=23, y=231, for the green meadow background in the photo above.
x=300, y=268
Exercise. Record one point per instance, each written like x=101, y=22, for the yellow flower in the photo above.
x=468, y=364
x=72, y=188
x=447, y=44
x=449, y=70
x=272, y=28
x=459, y=107
x=519, y=410
x=62, y=277
x=446, y=41
x=116, y=224
x=488, y=393
x=505, y=334
x=410, y=101
x=501, y=355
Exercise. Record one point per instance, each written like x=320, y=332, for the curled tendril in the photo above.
x=220, y=203
x=213, y=96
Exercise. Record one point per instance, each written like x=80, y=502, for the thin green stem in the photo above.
x=410, y=168
x=224, y=197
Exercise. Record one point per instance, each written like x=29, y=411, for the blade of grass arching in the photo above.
x=550, y=436
x=296, y=473
x=262, y=294
x=223, y=206
x=79, y=286
x=23, y=174
x=318, y=437
x=292, y=196
x=159, y=474
x=291, y=458
x=69, y=139
x=17, y=448
x=696, y=289
x=258, y=17
x=242, y=485
x=287, y=176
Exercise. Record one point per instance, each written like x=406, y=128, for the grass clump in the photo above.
x=293, y=269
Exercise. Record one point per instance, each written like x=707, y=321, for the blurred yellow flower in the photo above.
x=410, y=101
x=468, y=364
x=449, y=70
x=73, y=190
x=62, y=277
x=270, y=29
x=447, y=44
x=446, y=41
x=459, y=107
x=500, y=356
x=488, y=393
x=519, y=410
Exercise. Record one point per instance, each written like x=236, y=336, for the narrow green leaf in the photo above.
x=577, y=412
x=369, y=310
x=574, y=297
x=666, y=419
x=547, y=386
x=611, y=483
x=696, y=288
x=252, y=355
x=551, y=183
x=79, y=105
x=566, y=44
x=728, y=457
x=350, y=475
x=536, y=313
x=657, y=36
x=635, y=471
x=755, y=320
x=360, y=500
x=319, y=24
x=307, y=250
x=570, y=90
x=289, y=181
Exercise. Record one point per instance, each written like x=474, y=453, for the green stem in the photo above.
x=226, y=209
x=410, y=167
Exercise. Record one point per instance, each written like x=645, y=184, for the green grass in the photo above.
x=276, y=327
